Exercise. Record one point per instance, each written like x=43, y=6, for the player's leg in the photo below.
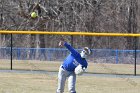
x=71, y=83
x=61, y=80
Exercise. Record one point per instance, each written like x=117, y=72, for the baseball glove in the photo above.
x=79, y=70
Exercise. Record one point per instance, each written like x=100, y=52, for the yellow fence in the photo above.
x=71, y=33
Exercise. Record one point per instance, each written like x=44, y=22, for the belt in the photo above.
x=63, y=67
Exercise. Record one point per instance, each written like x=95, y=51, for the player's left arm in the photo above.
x=84, y=63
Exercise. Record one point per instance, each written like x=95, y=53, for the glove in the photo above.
x=79, y=70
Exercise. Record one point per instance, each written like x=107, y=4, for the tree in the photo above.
x=132, y=22
x=70, y=15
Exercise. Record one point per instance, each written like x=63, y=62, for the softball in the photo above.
x=33, y=14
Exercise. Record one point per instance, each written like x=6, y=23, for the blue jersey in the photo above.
x=73, y=59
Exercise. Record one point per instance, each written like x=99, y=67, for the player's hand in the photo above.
x=61, y=43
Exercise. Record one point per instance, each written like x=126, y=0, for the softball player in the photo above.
x=74, y=64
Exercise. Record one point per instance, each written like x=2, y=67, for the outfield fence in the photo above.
x=59, y=54
x=109, y=61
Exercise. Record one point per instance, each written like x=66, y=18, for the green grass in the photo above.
x=43, y=83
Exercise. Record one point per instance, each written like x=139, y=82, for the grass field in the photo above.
x=12, y=82
x=43, y=83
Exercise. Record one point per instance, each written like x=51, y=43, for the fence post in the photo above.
x=135, y=54
x=117, y=56
x=11, y=52
x=18, y=53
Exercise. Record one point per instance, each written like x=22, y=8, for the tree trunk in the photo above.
x=132, y=23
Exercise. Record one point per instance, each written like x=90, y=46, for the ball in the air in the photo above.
x=33, y=14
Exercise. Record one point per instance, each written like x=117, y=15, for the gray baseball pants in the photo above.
x=62, y=76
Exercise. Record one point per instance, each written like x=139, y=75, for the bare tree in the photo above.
x=70, y=15
x=132, y=22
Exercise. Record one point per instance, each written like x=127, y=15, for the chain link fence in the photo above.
x=101, y=61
